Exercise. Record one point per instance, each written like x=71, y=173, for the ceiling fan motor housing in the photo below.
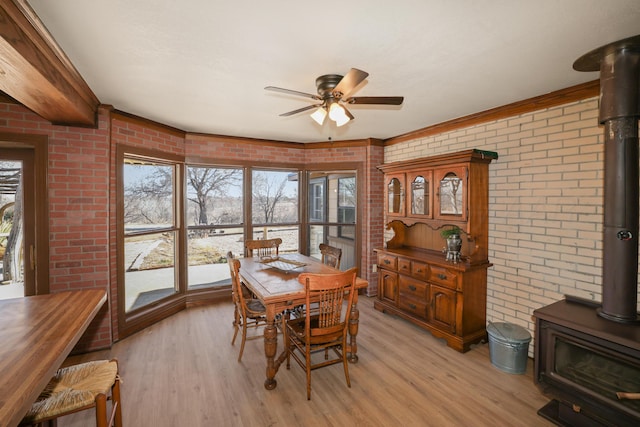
x=326, y=84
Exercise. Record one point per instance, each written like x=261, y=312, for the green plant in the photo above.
x=446, y=232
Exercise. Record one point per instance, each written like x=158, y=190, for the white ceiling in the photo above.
x=202, y=65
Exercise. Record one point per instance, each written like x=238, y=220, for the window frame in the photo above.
x=137, y=319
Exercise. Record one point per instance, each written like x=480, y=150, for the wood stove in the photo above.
x=590, y=365
x=587, y=355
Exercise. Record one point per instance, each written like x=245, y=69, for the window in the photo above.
x=316, y=199
x=150, y=231
x=337, y=225
x=173, y=215
x=347, y=206
x=274, y=207
x=214, y=216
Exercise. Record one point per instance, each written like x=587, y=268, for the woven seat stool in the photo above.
x=76, y=388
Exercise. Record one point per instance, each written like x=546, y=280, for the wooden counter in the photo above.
x=36, y=335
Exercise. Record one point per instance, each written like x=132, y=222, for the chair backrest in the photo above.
x=330, y=255
x=262, y=247
x=328, y=292
x=236, y=286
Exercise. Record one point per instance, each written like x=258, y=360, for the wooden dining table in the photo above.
x=279, y=290
x=37, y=333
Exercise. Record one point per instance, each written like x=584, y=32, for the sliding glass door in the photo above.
x=332, y=211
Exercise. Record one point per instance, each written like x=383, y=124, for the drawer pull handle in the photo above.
x=386, y=261
x=419, y=270
x=412, y=306
x=404, y=267
x=412, y=287
x=442, y=276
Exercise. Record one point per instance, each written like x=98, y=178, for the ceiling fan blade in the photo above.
x=381, y=100
x=353, y=78
x=292, y=92
x=348, y=113
x=300, y=110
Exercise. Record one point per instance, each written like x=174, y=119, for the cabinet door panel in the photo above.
x=388, y=286
x=395, y=192
x=451, y=185
x=419, y=194
x=443, y=308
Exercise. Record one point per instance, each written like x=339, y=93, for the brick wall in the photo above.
x=78, y=191
x=545, y=206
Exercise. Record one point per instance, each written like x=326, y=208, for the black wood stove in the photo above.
x=587, y=355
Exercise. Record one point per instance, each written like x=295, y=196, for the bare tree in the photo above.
x=267, y=193
x=348, y=191
x=449, y=195
x=148, y=200
x=206, y=182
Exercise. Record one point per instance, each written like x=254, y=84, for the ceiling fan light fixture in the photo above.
x=336, y=112
x=342, y=120
x=319, y=115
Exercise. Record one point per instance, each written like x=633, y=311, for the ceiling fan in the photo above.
x=332, y=94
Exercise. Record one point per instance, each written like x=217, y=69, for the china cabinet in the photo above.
x=415, y=280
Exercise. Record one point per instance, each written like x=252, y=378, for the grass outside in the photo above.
x=200, y=253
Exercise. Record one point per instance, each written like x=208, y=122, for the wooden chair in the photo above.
x=76, y=388
x=331, y=255
x=267, y=247
x=245, y=293
x=326, y=327
x=249, y=312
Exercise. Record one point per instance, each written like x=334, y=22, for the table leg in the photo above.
x=270, y=348
x=353, y=331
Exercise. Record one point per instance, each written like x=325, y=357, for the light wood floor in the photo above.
x=183, y=371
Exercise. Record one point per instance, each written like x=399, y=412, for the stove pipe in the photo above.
x=619, y=66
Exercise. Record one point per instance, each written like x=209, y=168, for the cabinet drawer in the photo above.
x=388, y=261
x=443, y=277
x=404, y=266
x=412, y=288
x=419, y=270
x=415, y=307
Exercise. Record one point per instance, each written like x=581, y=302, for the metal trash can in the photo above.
x=508, y=347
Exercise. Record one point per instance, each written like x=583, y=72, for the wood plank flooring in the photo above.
x=183, y=371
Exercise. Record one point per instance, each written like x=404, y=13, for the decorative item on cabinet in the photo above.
x=453, y=242
x=426, y=199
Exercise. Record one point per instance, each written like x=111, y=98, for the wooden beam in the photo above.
x=37, y=73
